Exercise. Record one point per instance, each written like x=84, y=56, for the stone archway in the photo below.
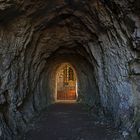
x=66, y=83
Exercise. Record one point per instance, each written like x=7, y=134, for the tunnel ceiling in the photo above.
x=99, y=38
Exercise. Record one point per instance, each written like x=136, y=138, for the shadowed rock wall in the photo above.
x=100, y=38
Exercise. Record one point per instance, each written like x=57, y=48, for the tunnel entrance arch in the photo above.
x=66, y=83
x=86, y=86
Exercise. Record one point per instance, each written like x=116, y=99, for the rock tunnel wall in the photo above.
x=101, y=39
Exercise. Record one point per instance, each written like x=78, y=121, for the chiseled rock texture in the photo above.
x=100, y=38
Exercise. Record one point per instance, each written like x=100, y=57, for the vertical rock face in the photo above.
x=100, y=39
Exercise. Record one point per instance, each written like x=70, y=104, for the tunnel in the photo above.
x=91, y=46
x=87, y=89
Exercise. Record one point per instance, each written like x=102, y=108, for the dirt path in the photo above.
x=69, y=122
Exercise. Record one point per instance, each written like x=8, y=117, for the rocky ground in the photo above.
x=70, y=122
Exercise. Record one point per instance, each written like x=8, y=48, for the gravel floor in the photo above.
x=65, y=121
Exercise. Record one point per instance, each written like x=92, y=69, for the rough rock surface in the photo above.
x=100, y=38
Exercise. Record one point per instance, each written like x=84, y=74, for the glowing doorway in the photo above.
x=66, y=83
